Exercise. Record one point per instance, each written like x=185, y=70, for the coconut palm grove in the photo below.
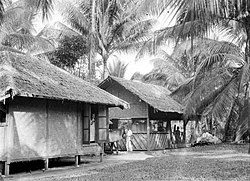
x=125, y=90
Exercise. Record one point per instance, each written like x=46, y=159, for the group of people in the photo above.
x=127, y=134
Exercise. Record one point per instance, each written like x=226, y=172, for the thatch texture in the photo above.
x=156, y=96
x=22, y=75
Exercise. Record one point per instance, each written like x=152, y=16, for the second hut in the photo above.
x=153, y=115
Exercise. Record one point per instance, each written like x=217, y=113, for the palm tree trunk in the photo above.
x=105, y=69
x=91, y=64
x=247, y=56
x=248, y=133
x=91, y=40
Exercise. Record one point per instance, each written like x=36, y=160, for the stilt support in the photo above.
x=77, y=160
x=46, y=164
x=102, y=152
x=184, y=131
x=6, y=168
x=116, y=146
x=148, y=135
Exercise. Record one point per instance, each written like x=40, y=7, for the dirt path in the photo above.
x=220, y=162
x=83, y=170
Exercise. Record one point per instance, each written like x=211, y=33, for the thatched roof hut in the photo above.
x=156, y=96
x=45, y=112
x=150, y=106
x=29, y=77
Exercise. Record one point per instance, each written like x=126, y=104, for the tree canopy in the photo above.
x=69, y=51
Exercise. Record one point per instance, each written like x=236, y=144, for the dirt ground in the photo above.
x=214, y=162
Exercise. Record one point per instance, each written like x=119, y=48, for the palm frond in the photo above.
x=10, y=49
x=204, y=95
x=57, y=31
x=242, y=126
x=207, y=56
x=117, y=68
x=76, y=14
x=44, y=6
x=244, y=79
x=26, y=42
x=182, y=93
x=1, y=11
x=222, y=105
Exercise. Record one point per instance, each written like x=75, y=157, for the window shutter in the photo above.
x=103, y=124
x=86, y=114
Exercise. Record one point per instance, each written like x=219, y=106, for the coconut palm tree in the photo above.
x=110, y=24
x=214, y=87
x=43, y=6
x=17, y=30
x=215, y=73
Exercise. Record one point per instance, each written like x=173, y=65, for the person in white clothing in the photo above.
x=129, y=133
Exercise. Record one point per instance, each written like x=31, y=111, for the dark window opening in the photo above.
x=113, y=124
x=3, y=112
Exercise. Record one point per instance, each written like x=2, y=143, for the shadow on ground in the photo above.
x=56, y=163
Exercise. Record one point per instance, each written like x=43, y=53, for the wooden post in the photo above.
x=102, y=151
x=169, y=131
x=7, y=168
x=46, y=163
x=77, y=160
x=7, y=145
x=101, y=157
x=148, y=134
x=8, y=135
x=116, y=146
x=184, y=131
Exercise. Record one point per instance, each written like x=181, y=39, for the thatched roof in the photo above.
x=22, y=75
x=156, y=96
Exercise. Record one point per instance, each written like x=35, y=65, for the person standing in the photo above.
x=178, y=135
x=129, y=133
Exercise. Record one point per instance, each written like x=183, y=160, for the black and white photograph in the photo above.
x=124, y=90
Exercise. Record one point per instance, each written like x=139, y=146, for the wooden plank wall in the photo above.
x=39, y=128
x=39, y=124
x=26, y=128
x=138, y=108
x=62, y=118
x=139, y=141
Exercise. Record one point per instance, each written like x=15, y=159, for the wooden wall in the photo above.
x=62, y=126
x=138, y=108
x=26, y=128
x=139, y=141
x=39, y=128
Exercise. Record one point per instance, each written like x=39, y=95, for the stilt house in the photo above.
x=46, y=112
x=150, y=114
